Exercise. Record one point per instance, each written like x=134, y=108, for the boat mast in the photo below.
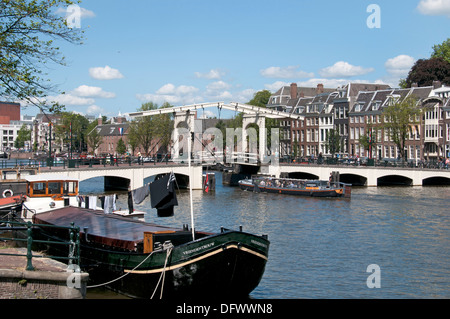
x=191, y=138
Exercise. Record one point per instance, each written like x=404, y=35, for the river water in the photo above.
x=322, y=248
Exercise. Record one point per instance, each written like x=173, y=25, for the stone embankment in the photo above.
x=50, y=279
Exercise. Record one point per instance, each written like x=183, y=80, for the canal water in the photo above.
x=394, y=238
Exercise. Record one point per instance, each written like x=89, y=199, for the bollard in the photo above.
x=29, y=244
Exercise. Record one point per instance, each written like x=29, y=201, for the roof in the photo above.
x=48, y=177
x=112, y=129
x=107, y=229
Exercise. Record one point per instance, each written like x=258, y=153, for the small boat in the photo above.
x=299, y=187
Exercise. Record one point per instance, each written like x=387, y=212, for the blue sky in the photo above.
x=196, y=51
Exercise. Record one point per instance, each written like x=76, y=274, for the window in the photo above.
x=38, y=188
x=54, y=187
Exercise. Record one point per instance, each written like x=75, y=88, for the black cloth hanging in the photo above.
x=130, y=202
x=163, y=196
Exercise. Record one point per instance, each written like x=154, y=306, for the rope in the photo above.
x=106, y=283
x=163, y=275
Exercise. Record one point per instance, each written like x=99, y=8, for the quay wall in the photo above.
x=16, y=284
x=50, y=279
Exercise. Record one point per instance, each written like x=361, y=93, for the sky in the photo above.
x=186, y=52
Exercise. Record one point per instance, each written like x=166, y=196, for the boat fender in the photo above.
x=6, y=191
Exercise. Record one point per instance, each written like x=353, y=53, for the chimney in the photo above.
x=437, y=84
x=319, y=89
x=302, y=94
x=414, y=85
x=293, y=90
x=100, y=120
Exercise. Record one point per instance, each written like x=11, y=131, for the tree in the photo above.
x=425, y=71
x=143, y=131
x=23, y=135
x=121, y=148
x=333, y=142
x=28, y=30
x=442, y=50
x=94, y=140
x=398, y=118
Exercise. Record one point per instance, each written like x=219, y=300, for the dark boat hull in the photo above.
x=228, y=270
x=328, y=192
x=230, y=263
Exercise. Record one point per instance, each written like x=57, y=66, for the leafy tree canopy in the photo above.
x=28, y=31
x=425, y=71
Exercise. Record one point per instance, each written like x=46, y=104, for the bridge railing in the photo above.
x=385, y=163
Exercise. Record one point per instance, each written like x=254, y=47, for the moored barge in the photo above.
x=299, y=187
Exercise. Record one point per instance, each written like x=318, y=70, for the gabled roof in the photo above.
x=112, y=129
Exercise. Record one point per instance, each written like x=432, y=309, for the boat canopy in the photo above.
x=49, y=177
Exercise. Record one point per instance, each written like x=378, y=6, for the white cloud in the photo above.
x=94, y=109
x=400, y=65
x=343, y=69
x=183, y=94
x=273, y=87
x=213, y=74
x=168, y=88
x=92, y=91
x=185, y=90
x=434, y=7
x=70, y=99
x=284, y=72
x=105, y=73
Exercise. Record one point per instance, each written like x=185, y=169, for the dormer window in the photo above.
x=376, y=105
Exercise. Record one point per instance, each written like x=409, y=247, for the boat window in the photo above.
x=54, y=187
x=39, y=188
x=69, y=187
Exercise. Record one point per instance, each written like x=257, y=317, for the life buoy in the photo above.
x=6, y=191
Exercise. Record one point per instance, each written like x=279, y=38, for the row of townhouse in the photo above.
x=355, y=109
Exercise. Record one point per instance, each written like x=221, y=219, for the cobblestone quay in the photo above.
x=49, y=280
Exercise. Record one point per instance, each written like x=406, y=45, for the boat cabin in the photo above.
x=57, y=187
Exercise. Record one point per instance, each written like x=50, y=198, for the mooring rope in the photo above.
x=163, y=275
x=109, y=282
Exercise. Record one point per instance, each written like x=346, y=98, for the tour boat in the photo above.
x=299, y=187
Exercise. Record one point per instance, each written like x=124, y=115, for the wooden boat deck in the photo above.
x=107, y=229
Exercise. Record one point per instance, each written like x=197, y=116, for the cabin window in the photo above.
x=69, y=187
x=39, y=188
x=54, y=187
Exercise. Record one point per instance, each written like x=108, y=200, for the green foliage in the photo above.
x=144, y=130
x=121, y=148
x=442, y=50
x=28, y=30
x=333, y=142
x=398, y=118
x=23, y=135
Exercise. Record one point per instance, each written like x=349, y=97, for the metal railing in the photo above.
x=73, y=243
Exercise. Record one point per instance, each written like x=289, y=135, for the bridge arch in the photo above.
x=299, y=175
x=394, y=180
x=436, y=180
x=354, y=179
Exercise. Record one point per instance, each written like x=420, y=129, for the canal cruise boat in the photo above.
x=299, y=187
